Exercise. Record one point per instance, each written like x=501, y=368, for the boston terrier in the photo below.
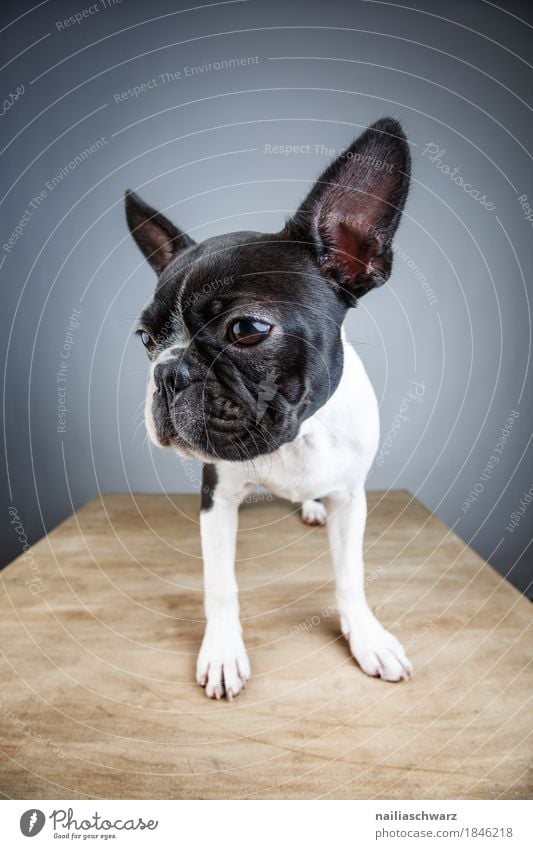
x=251, y=373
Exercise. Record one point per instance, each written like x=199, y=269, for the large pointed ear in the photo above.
x=156, y=236
x=353, y=210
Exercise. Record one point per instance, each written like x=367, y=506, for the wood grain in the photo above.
x=97, y=692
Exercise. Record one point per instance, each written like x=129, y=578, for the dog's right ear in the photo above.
x=155, y=235
x=352, y=212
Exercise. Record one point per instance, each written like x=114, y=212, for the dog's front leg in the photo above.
x=377, y=652
x=223, y=665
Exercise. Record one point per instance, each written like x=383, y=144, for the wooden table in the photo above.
x=97, y=692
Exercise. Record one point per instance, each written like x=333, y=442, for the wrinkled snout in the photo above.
x=213, y=414
x=171, y=377
x=170, y=404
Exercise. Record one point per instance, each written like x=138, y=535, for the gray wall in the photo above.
x=455, y=318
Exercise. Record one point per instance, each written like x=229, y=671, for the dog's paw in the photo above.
x=313, y=513
x=377, y=652
x=223, y=667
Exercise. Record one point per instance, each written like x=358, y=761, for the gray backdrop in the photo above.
x=446, y=342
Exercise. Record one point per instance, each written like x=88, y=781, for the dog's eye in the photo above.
x=248, y=331
x=146, y=339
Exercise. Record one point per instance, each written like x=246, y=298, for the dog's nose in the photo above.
x=171, y=377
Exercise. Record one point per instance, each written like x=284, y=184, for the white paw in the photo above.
x=223, y=665
x=313, y=513
x=377, y=652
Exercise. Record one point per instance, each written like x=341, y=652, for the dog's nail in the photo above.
x=229, y=694
x=202, y=680
x=217, y=693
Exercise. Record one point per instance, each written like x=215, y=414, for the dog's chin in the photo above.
x=227, y=445
x=215, y=443
x=184, y=448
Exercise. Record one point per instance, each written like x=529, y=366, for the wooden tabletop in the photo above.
x=100, y=626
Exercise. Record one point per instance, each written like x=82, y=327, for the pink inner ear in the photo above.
x=353, y=251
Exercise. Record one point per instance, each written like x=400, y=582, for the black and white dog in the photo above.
x=251, y=373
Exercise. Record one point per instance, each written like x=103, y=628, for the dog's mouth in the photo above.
x=201, y=422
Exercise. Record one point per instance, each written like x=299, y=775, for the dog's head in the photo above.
x=243, y=331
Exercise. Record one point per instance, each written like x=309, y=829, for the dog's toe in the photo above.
x=224, y=680
x=313, y=513
x=379, y=653
x=222, y=666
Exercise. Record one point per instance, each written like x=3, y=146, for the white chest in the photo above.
x=313, y=465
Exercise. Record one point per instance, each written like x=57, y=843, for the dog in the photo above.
x=251, y=372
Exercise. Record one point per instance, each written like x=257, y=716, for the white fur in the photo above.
x=314, y=513
x=148, y=414
x=330, y=458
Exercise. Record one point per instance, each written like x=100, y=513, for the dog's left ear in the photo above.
x=155, y=235
x=353, y=210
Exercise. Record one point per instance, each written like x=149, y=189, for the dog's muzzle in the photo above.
x=170, y=378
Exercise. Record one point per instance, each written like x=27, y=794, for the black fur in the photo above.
x=209, y=483
x=155, y=235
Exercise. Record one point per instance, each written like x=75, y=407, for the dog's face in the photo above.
x=243, y=331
